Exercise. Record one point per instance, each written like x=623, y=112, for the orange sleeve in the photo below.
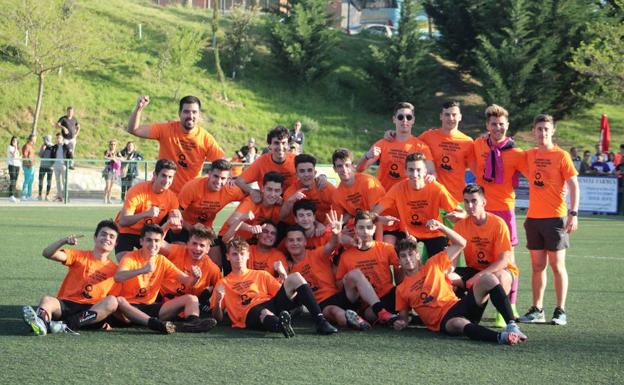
x=156, y=130
x=447, y=202
x=393, y=259
x=212, y=149
x=503, y=242
x=389, y=201
x=187, y=194
x=523, y=166
x=133, y=199
x=72, y=256
x=567, y=167
x=253, y=172
x=246, y=206
x=272, y=284
x=375, y=192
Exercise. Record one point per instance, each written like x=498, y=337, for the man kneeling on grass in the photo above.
x=254, y=299
x=83, y=297
x=140, y=275
x=427, y=290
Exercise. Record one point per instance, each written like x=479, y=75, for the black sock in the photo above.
x=480, y=333
x=377, y=307
x=81, y=319
x=156, y=324
x=501, y=302
x=271, y=323
x=306, y=298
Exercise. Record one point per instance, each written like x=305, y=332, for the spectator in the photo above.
x=297, y=136
x=45, y=168
x=611, y=162
x=60, y=152
x=14, y=161
x=600, y=166
x=598, y=147
x=28, y=165
x=586, y=163
x=294, y=148
x=112, y=170
x=576, y=159
x=70, y=128
x=619, y=157
x=240, y=156
x=129, y=153
x=252, y=153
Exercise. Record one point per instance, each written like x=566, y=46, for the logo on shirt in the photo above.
x=445, y=163
x=142, y=293
x=393, y=171
x=182, y=161
x=86, y=292
x=481, y=258
x=181, y=289
x=538, y=182
x=416, y=220
x=426, y=298
x=245, y=300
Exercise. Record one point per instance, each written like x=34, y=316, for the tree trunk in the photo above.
x=39, y=102
x=215, y=46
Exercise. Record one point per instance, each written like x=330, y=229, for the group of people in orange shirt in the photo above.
x=350, y=254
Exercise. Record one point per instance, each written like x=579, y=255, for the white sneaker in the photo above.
x=13, y=199
x=31, y=319
x=61, y=327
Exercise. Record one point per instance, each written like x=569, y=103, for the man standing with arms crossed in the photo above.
x=181, y=141
x=548, y=223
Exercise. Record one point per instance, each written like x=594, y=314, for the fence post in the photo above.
x=145, y=168
x=66, y=171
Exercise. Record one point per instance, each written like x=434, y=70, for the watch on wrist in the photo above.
x=572, y=213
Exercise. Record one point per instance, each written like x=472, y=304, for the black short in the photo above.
x=275, y=305
x=466, y=273
x=434, y=245
x=339, y=299
x=546, y=234
x=388, y=301
x=152, y=310
x=69, y=308
x=181, y=237
x=225, y=264
x=467, y=307
x=398, y=234
x=127, y=242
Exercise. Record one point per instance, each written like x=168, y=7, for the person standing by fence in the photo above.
x=14, y=161
x=45, y=167
x=129, y=153
x=112, y=170
x=28, y=164
x=60, y=152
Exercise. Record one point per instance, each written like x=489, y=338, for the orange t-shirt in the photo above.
x=486, y=242
x=261, y=214
x=365, y=192
x=374, y=263
x=264, y=260
x=429, y=292
x=236, y=169
x=201, y=205
x=548, y=171
x=211, y=273
x=392, y=159
x=88, y=280
x=322, y=199
x=416, y=207
x=452, y=155
x=500, y=197
x=256, y=171
x=316, y=268
x=144, y=288
x=141, y=198
x=188, y=151
x=243, y=292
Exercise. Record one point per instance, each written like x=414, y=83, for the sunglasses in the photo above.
x=400, y=117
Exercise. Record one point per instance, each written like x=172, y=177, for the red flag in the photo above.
x=605, y=133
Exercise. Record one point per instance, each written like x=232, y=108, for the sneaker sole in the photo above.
x=355, y=322
x=204, y=325
x=558, y=322
x=285, y=325
x=170, y=328
x=29, y=316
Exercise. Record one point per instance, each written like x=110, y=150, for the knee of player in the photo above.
x=355, y=275
x=122, y=302
x=190, y=298
x=111, y=303
x=46, y=299
x=538, y=266
x=489, y=280
x=296, y=279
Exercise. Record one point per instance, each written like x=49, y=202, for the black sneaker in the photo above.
x=325, y=328
x=199, y=325
x=284, y=323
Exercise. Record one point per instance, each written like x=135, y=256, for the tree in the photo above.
x=238, y=46
x=181, y=51
x=510, y=67
x=215, y=48
x=46, y=36
x=403, y=68
x=600, y=58
x=302, y=39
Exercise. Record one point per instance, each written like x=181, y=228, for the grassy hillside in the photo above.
x=341, y=104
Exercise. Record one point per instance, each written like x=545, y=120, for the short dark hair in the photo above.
x=237, y=243
x=106, y=223
x=341, y=154
x=189, y=99
x=414, y=157
x=69, y=108
x=151, y=228
x=403, y=105
x=304, y=158
x=304, y=204
x=543, y=118
x=220, y=164
x=292, y=228
x=474, y=188
x=202, y=232
x=364, y=214
x=451, y=103
x=273, y=176
x=164, y=164
x=406, y=244
x=278, y=132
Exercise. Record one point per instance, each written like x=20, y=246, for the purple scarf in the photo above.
x=494, y=163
